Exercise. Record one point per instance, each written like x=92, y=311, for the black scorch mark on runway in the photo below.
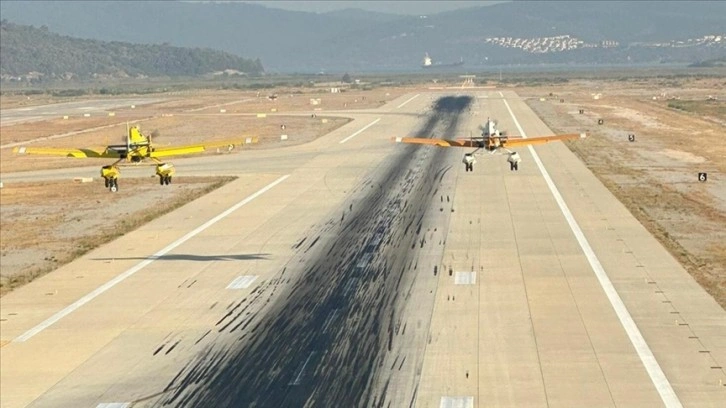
x=321, y=339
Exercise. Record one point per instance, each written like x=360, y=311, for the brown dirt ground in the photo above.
x=44, y=226
x=656, y=176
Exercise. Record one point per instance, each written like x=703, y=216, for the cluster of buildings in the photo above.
x=32, y=76
x=541, y=45
x=706, y=40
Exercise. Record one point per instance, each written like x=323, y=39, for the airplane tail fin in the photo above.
x=136, y=137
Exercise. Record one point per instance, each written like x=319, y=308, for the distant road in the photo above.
x=41, y=112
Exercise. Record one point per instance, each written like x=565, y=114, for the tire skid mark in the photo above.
x=323, y=335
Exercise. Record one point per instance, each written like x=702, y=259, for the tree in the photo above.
x=346, y=78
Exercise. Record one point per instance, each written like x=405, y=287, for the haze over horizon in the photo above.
x=356, y=40
x=393, y=7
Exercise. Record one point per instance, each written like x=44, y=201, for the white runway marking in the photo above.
x=242, y=282
x=329, y=320
x=465, y=278
x=360, y=131
x=114, y=405
x=666, y=392
x=120, y=278
x=302, y=370
x=456, y=402
x=408, y=100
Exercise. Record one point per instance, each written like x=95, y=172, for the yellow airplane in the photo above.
x=138, y=148
x=491, y=140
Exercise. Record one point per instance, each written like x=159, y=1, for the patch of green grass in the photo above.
x=710, y=107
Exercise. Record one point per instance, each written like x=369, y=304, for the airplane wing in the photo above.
x=436, y=142
x=69, y=152
x=192, y=149
x=516, y=142
x=508, y=142
x=115, y=154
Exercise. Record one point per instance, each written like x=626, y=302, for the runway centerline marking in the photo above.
x=302, y=370
x=360, y=131
x=664, y=388
x=141, y=265
x=407, y=101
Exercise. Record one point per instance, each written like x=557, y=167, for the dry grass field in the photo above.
x=679, y=128
x=678, y=133
x=44, y=226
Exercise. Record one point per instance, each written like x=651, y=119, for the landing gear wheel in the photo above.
x=167, y=180
x=161, y=180
x=113, y=185
x=105, y=183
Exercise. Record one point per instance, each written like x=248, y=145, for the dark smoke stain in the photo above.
x=321, y=341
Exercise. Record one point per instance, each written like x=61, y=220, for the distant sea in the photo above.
x=494, y=69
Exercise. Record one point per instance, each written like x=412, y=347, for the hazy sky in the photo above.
x=395, y=7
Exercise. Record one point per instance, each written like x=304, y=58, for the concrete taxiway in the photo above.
x=351, y=272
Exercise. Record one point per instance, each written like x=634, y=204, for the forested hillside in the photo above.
x=503, y=34
x=36, y=54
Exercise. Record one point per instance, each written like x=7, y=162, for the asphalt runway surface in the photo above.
x=322, y=342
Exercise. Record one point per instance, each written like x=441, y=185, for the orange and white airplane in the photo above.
x=138, y=149
x=491, y=140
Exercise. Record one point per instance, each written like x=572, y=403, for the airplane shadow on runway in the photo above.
x=191, y=257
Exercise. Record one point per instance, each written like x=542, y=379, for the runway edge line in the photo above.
x=120, y=278
x=660, y=381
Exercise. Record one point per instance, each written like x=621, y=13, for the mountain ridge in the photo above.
x=350, y=40
x=37, y=54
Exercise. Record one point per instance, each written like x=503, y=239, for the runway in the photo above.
x=92, y=106
x=352, y=271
